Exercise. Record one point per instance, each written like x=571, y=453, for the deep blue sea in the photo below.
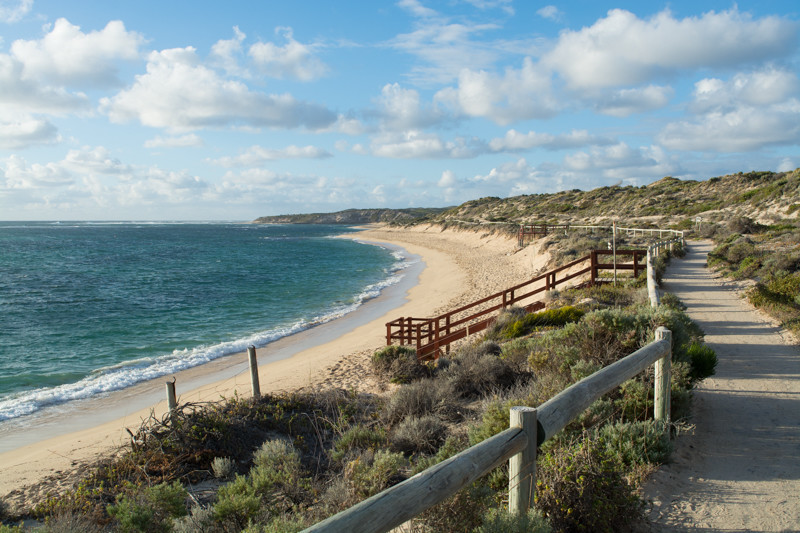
x=87, y=308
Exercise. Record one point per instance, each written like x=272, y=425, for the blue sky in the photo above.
x=228, y=111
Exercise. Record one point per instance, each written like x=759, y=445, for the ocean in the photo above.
x=88, y=308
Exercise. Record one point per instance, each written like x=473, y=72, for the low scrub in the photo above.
x=398, y=364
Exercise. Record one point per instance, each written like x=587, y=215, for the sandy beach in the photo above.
x=454, y=268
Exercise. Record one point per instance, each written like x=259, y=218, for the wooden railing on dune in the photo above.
x=431, y=335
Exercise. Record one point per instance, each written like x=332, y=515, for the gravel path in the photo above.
x=739, y=469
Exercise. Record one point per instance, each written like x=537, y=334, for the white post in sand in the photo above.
x=251, y=355
x=172, y=401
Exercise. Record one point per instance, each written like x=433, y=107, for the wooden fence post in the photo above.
x=172, y=401
x=522, y=466
x=662, y=385
x=251, y=356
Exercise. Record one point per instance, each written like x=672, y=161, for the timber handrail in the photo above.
x=430, y=335
x=529, y=427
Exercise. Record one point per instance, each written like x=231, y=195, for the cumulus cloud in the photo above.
x=415, y=144
x=258, y=155
x=626, y=102
x=68, y=56
x=179, y=93
x=293, y=60
x=182, y=141
x=225, y=54
x=584, y=169
x=448, y=179
x=401, y=109
x=19, y=95
x=746, y=113
x=622, y=49
x=514, y=141
x=518, y=94
x=13, y=10
x=26, y=131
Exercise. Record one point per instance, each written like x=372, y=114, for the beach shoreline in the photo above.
x=453, y=267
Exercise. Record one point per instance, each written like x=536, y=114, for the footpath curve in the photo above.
x=739, y=469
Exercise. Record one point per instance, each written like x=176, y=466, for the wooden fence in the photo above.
x=542, y=230
x=530, y=427
x=432, y=335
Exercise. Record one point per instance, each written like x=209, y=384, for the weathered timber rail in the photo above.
x=542, y=230
x=431, y=335
x=530, y=427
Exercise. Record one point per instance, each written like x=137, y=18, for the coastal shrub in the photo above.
x=636, y=443
x=370, y=473
x=580, y=487
x=419, y=435
x=498, y=520
x=398, y=364
x=703, y=360
x=276, y=477
x=461, y=512
x=422, y=397
x=507, y=316
x=548, y=318
x=199, y=518
x=357, y=438
x=279, y=524
x=149, y=510
x=223, y=467
x=473, y=373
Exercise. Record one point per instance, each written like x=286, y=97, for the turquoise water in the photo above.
x=87, y=308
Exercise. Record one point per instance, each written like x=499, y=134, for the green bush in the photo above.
x=581, y=488
x=276, y=476
x=358, y=438
x=398, y=364
x=149, y=510
x=422, y=397
x=371, y=473
x=635, y=443
x=703, y=360
x=548, y=318
x=419, y=435
x=501, y=521
x=472, y=373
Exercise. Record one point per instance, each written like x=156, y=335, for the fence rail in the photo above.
x=529, y=427
x=541, y=230
x=431, y=335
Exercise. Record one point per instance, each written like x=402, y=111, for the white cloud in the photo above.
x=626, y=102
x=445, y=49
x=622, y=49
x=416, y=8
x=18, y=95
x=13, y=10
x=414, y=144
x=68, y=56
x=504, y=5
x=401, y=109
x=183, y=141
x=550, y=12
x=761, y=88
x=26, y=131
x=517, y=141
x=520, y=94
x=294, y=60
x=746, y=113
x=258, y=155
x=448, y=179
x=179, y=93
x=225, y=54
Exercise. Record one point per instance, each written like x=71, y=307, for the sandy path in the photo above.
x=739, y=470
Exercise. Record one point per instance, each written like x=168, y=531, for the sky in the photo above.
x=208, y=110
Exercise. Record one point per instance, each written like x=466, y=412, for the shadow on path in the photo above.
x=740, y=468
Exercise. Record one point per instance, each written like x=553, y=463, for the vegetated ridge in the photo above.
x=763, y=196
x=355, y=216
